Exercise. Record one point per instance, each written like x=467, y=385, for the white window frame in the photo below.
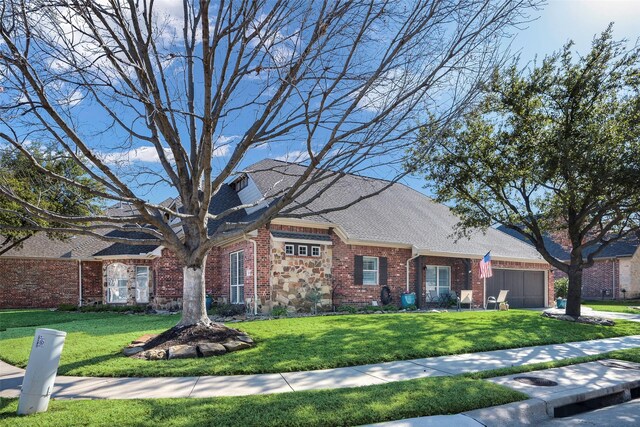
x=300, y=248
x=139, y=296
x=117, y=287
x=234, y=288
x=377, y=270
x=313, y=251
x=293, y=249
x=439, y=289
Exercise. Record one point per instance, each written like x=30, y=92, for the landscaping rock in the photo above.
x=208, y=349
x=144, y=338
x=236, y=345
x=130, y=351
x=244, y=338
x=582, y=319
x=182, y=352
x=155, y=354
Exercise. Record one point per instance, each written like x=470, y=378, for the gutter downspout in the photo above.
x=255, y=275
x=408, y=261
x=79, y=283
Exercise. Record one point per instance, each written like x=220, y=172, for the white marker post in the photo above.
x=42, y=368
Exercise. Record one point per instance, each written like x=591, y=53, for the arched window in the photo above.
x=117, y=281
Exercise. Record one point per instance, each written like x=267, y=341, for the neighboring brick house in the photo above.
x=398, y=239
x=615, y=268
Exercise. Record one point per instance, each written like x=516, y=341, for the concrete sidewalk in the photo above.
x=380, y=373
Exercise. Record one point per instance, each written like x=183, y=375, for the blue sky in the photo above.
x=563, y=20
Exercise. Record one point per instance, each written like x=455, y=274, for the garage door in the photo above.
x=526, y=288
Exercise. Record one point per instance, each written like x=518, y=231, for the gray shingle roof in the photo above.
x=398, y=215
x=625, y=247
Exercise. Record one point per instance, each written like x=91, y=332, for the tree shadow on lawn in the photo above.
x=351, y=406
x=287, y=345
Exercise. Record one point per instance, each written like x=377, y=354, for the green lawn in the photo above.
x=341, y=407
x=617, y=306
x=93, y=346
x=21, y=318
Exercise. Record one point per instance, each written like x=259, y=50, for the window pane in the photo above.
x=444, y=281
x=369, y=263
x=431, y=278
x=142, y=284
x=369, y=277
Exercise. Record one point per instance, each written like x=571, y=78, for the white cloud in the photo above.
x=147, y=154
x=294, y=156
x=386, y=89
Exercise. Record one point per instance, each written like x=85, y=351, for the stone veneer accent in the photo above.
x=294, y=278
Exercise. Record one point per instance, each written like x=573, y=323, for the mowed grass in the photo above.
x=93, y=346
x=22, y=318
x=616, y=306
x=341, y=407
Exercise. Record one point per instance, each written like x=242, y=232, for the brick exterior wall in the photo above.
x=346, y=292
x=37, y=283
x=602, y=275
x=167, y=280
x=92, y=291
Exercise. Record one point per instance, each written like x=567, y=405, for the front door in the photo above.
x=237, y=277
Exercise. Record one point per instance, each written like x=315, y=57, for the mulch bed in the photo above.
x=582, y=319
x=192, y=335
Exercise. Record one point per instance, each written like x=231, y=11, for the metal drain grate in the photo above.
x=537, y=381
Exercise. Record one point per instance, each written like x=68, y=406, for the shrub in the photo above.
x=67, y=307
x=227, y=310
x=561, y=286
x=114, y=308
x=411, y=307
x=389, y=307
x=371, y=308
x=279, y=311
x=346, y=309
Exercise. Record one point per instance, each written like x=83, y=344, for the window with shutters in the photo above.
x=369, y=270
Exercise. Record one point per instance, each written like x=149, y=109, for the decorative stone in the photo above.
x=130, y=351
x=155, y=354
x=245, y=338
x=182, y=352
x=236, y=345
x=208, y=349
x=144, y=338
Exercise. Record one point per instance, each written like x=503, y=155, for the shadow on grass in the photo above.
x=342, y=407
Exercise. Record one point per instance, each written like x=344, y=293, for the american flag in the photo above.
x=485, y=266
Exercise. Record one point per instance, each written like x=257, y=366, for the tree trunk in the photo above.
x=574, y=292
x=194, y=310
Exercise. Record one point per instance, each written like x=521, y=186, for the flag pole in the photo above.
x=484, y=291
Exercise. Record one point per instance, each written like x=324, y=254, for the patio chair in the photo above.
x=466, y=297
x=502, y=297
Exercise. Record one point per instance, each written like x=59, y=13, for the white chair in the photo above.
x=502, y=297
x=466, y=297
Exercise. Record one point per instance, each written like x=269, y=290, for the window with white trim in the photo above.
x=142, y=284
x=369, y=270
x=439, y=279
x=302, y=250
x=236, y=276
x=117, y=281
x=289, y=249
x=315, y=250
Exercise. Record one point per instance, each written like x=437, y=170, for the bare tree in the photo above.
x=199, y=87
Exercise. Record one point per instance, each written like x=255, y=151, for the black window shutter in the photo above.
x=357, y=270
x=383, y=271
